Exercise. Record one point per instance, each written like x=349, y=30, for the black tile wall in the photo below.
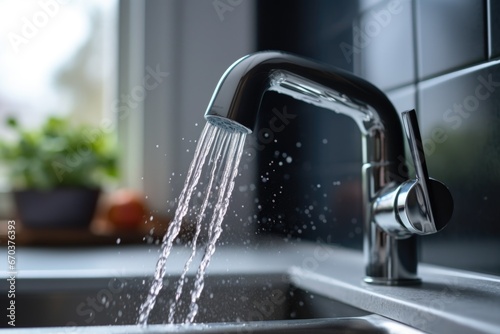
x=368, y=4
x=437, y=56
x=460, y=124
x=324, y=149
x=404, y=98
x=385, y=32
x=450, y=35
x=494, y=32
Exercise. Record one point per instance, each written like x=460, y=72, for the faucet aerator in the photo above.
x=227, y=124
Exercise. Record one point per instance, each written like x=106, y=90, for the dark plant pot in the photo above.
x=56, y=208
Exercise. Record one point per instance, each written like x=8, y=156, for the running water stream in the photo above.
x=210, y=178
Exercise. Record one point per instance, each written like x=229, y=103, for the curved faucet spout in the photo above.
x=390, y=252
x=239, y=93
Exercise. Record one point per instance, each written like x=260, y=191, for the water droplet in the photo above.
x=157, y=145
x=298, y=144
x=118, y=240
x=289, y=159
x=151, y=218
x=324, y=141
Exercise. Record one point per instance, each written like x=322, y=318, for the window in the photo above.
x=57, y=58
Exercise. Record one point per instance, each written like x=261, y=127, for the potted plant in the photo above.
x=56, y=171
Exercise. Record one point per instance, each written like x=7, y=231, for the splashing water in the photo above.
x=223, y=148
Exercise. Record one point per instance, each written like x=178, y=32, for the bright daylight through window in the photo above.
x=57, y=58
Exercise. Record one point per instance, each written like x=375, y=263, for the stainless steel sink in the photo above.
x=368, y=324
x=115, y=301
x=229, y=304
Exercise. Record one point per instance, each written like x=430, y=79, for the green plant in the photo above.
x=58, y=154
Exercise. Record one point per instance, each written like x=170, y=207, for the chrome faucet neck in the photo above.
x=391, y=258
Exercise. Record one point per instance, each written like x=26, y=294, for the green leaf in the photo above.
x=84, y=156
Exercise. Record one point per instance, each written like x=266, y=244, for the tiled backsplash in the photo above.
x=440, y=57
x=450, y=34
x=385, y=33
x=493, y=28
x=457, y=96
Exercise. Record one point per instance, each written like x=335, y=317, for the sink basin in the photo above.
x=115, y=301
x=229, y=303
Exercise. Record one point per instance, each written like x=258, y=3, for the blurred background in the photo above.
x=143, y=72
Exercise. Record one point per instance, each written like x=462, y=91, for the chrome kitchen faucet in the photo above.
x=395, y=209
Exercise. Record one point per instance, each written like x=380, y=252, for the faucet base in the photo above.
x=392, y=282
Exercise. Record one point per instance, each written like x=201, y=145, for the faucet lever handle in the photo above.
x=414, y=138
x=425, y=204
